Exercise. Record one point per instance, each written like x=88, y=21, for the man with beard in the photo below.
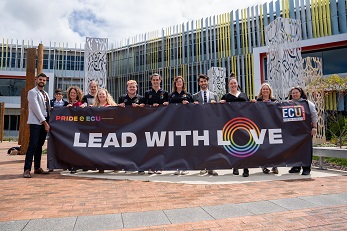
x=202, y=97
x=38, y=104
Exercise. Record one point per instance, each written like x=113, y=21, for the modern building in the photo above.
x=234, y=40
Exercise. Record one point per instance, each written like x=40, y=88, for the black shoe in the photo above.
x=306, y=171
x=266, y=170
x=236, y=171
x=294, y=170
x=73, y=171
x=212, y=172
x=245, y=173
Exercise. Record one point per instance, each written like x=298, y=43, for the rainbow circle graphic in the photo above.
x=240, y=123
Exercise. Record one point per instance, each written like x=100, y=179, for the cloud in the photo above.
x=70, y=21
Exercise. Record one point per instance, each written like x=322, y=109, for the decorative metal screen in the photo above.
x=216, y=82
x=95, y=61
x=284, y=62
x=312, y=77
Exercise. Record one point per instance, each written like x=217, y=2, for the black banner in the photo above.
x=211, y=136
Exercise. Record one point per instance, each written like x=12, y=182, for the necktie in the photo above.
x=205, y=97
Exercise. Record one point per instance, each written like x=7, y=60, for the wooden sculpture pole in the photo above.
x=40, y=59
x=24, y=133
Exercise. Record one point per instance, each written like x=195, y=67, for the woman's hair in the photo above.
x=302, y=93
x=174, y=88
x=78, y=92
x=260, y=95
x=109, y=99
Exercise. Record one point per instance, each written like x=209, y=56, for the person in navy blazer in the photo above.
x=39, y=107
x=200, y=98
x=58, y=100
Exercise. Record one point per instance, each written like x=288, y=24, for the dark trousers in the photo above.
x=307, y=167
x=37, y=139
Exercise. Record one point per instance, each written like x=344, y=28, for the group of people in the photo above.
x=40, y=106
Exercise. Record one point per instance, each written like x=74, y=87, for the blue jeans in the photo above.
x=37, y=139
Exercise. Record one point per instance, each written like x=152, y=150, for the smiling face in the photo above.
x=41, y=81
x=102, y=96
x=73, y=95
x=233, y=85
x=295, y=93
x=93, y=86
x=203, y=83
x=58, y=96
x=179, y=84
x=156, y=80
x=265, y=92
x=132, y=88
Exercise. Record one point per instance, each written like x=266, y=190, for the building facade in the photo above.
x=234, y=40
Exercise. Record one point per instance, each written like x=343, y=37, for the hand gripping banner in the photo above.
x=211, y=136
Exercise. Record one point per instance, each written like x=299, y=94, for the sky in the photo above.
x=71, y=21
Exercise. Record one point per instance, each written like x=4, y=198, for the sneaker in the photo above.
x=183, y=172
x=203, y=172
x=236, y=171
x=212, y=172
x=306, y=172
x=265, y=170
x=101, y=171
x=177, y=172
x=26, y=174
x=141, y=172
x=274, y=170
x=151, y=172
x=158, y=172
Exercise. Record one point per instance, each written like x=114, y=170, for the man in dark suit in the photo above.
x=202, y=97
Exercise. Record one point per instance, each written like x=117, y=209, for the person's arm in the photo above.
x=34, y=104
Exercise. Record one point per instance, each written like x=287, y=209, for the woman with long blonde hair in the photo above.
x=103, y=99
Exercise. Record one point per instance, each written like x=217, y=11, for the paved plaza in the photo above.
x=128, y=201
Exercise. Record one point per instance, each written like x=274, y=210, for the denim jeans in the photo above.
x=37, y=139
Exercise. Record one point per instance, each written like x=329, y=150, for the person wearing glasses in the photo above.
x=202, y=97
x=234, y=95
x=297, y=94
x=265, y=95
x=58, y=100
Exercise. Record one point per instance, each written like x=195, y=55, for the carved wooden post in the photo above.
x=40, y=59
x=24, y=133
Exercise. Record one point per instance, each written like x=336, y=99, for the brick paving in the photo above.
x=58, y=196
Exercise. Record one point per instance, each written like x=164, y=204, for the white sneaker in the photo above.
x=178, y=172
x=150, y=172
x=183, y=172
x=203, y=172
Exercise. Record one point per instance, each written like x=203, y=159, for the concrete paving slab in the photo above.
x=99, y=222
x=13, y=225
x=51, y=224
x=226, y=211
x=294, y=203
x=187, y=215
x=262, y=207
x=193, y=177
x=323, y=200
x=141, y=219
